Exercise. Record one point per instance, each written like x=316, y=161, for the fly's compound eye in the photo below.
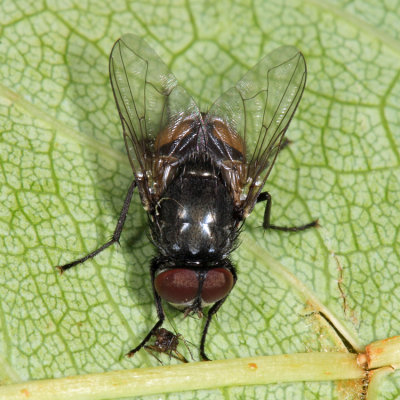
x=217, y=284
x=180, y=286
x=177, y=286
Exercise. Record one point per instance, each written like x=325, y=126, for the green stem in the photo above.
x=384, y=352
x=193, y=376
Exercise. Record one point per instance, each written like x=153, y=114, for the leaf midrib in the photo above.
x=67, y=132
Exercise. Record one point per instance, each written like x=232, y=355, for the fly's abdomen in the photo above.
x=195, y=217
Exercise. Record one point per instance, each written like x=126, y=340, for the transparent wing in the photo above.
x=259, y=108
x=148, y=99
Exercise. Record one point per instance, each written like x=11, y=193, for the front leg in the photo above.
x=161, y=318
x=265, y=196
x=160, y=311
x=211, y=312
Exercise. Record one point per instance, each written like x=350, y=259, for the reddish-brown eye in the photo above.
x=178, y=286
x=217, y=285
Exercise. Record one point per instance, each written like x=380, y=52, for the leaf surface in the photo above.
x=64, y=175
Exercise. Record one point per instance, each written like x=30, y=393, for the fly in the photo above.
x=199, y=174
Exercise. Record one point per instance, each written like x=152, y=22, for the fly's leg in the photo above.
x=285, y=143
x=115, y=237
x=265, y=196
x=160, y=312
x=161, y=318
x=210, y=314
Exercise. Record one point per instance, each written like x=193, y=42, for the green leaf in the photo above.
x=64, y=175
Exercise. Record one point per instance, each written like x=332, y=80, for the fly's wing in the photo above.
x=148, y=99
x=259, y=108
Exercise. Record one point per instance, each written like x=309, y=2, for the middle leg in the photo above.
x=265, y=196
